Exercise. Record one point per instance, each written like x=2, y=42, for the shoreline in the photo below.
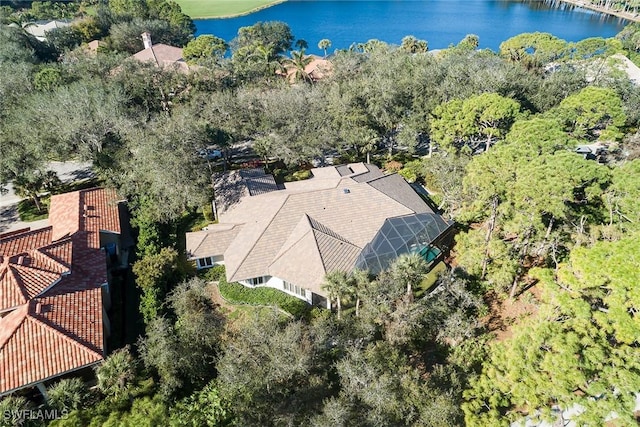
x=633, y=17
x=235, y=15
x=586, y=5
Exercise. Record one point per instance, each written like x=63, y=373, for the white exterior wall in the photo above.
x=215, y=260
x=277, y=283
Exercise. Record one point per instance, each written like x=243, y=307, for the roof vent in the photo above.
x=346, y=191
x=20, y=260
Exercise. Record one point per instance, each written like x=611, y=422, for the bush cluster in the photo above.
x=236, y=293
x=214, y=273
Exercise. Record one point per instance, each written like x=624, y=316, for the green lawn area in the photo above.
x=430, y=279
x=222, y=8
x=28, y=212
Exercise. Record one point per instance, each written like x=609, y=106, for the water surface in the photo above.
x=440, y=22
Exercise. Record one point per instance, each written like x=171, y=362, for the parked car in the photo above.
x=210, y=154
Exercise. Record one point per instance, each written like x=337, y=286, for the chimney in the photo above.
x=146, y=39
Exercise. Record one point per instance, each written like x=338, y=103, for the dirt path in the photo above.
x=217, y=299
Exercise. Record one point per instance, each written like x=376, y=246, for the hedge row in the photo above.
x=239, y=294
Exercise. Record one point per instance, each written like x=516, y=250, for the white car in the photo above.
x=210, y=154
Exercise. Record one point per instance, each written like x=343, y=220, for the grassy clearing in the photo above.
x=235, y=293
x=430, y=279
x=28, y=212
x=222, y=8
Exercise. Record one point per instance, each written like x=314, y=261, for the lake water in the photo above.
x=440, y=22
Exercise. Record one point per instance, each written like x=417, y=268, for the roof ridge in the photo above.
x=320, y=251
x=46, y=257
x=294, y=243
x=328, y=231
x=6, y=332
x=315, y=246
x=379, y=177
x=62, y=335
x=23, y=234
x=38, y=272
x=17, y=280
x=154, y=56
x=284, y=202
x=391, y=197
x=205, y=234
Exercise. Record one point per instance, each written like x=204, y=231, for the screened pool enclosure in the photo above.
x=406, y=234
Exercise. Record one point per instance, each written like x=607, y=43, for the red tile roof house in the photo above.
x=54, y=290
x=161, y=55
x=289, y=238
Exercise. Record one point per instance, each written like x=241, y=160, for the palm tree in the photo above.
x=302, y=44
x=117, y=374
x=368, y=142
x=324, y=44
x=298, y=63
x=29, y=186
x=67, y=394
x=263, y=58
x=360, y=281
x=412, y=45
x=408, y=269
x=337, y=286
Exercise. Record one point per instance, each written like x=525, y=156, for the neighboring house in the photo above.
x=162, y=55
x=39, y=29
x=290, y=237
x=54, y=289
x=93, y=46
x=317, y=69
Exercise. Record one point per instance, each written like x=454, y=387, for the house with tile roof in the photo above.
x=161, y=55
x=317, y=69
x=54, y=289
x=289, y=237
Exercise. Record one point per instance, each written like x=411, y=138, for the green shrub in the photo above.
x=303, y=174
x=207, y=211
x=408, y=174
x=239, y=294
x=67, y=394
x=215, y=273
x=298, y=176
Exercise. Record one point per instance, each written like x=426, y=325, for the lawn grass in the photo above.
x=430, y=279
x=235, y=293
x=28, y=212
x=222, y=8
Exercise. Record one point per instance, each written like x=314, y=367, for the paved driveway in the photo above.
x=9, y=218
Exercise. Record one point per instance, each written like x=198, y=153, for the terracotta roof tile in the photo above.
x=50, y=285
x=25, y=242
x=64, y=214
x=77, y=315
x=32, y=351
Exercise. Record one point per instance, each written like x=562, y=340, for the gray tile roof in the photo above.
x=372, y=172
x=211, y=242
x=231, y=187
x=314, y=226
x=397, y=188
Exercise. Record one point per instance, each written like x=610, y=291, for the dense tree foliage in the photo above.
x=496, y=132
x=581, y=349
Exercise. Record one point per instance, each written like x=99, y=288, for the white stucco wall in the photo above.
x=277, y=283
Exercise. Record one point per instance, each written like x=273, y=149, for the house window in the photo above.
x=295, y=289
x=256, y=281
x=205, y=262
